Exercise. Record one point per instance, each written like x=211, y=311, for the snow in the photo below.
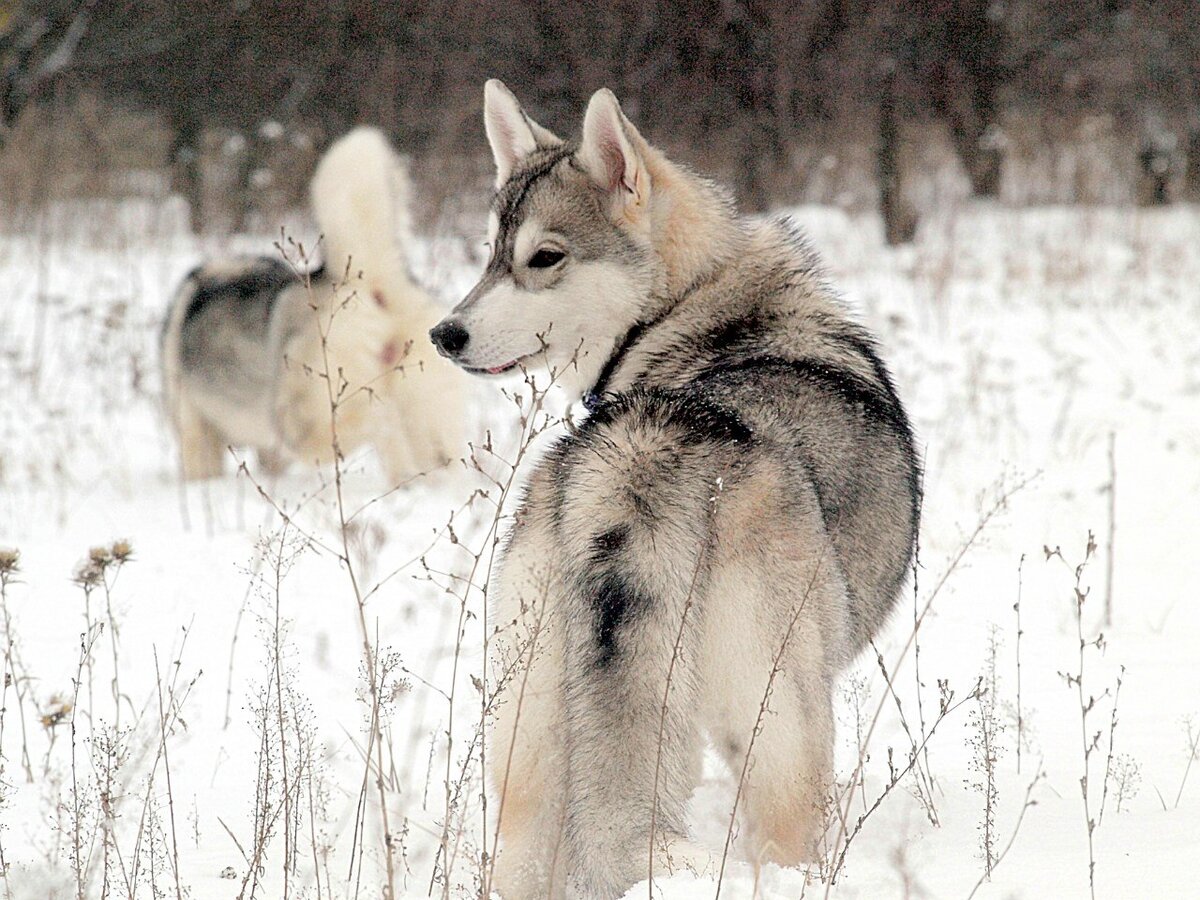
x=1020, y=339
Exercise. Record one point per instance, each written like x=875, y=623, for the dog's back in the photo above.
x=218, y=371
x=766, y=340
x=226, y=311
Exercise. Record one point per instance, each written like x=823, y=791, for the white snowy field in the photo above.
x=195, y=724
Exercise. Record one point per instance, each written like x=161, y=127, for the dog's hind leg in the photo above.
x=635, y=528
x=775, y=639
x=201, y=444
x=782, y=760
x=271, y=460
x=527, y=752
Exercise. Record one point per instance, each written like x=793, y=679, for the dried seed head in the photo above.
x=122, y=551
x=57, y=711
x=10, y=558
x=89, y=572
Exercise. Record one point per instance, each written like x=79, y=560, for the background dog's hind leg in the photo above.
x=271, y=460
x=202, y=447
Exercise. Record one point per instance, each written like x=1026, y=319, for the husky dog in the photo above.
x=248, y=342
x=727, y=528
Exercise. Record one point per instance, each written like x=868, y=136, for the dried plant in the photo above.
x=1127, y=780
x=1089, y=739
x=1192, y=751
x=986, y=729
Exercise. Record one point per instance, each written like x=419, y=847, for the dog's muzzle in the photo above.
x=449, y=337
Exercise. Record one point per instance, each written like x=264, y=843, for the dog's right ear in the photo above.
x=512, y=134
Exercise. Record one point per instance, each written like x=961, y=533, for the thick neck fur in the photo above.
x=693, y=226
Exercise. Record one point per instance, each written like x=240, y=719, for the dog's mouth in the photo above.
x=498, y=370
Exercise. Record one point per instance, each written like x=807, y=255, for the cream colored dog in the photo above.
x=300, y=365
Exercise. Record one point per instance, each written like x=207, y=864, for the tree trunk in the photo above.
x=899, y=220
x=1155, y=177
x=1191, y=175
x=185, y=167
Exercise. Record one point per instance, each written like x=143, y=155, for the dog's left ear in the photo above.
x=609, y=150
x=512, y=134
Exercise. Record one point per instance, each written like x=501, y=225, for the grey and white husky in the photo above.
x=736, y=513
x=256, y=354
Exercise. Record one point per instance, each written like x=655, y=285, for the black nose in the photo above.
x=449, y=337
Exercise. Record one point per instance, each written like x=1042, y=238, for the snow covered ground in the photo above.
x=208, y=695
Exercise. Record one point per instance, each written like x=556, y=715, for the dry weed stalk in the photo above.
x=338, y=392
x=1020, y=711
x=1090, y=741
x=122, y=861
x=14, y=669
x=856, y=692
x=170, y=706
x=1112, y=733
x=99, y=571
x=290, y=790
x=526, y=654
x=1127, y=779
x=81, y=805
x=1026, y=805
x=533, y=420
x=922, y=781
x=1193, y=753
x=94, y=804
x=835, y=860
x=924, y=776
x=379, y=669
x=285, y=771
x=985, y=745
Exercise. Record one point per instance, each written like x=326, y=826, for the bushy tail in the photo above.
x=360, y=197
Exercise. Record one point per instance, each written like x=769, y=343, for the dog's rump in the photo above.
x=250, y=344
x=225, y=339
x=845, y=437
x=851, y=439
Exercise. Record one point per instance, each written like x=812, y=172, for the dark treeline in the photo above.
x=736, y=83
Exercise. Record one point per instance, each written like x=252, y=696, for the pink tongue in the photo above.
x=498, y=369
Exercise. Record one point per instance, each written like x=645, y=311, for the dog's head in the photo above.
x=572, y=267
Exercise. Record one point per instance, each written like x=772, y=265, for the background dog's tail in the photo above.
x=360, y=197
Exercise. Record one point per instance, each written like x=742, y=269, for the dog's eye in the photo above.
x=545, y=258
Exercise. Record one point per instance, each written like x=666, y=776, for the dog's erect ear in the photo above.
x=609, y=150
x=512, y=134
